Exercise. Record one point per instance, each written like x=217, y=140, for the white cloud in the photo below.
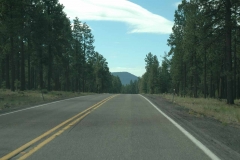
x=137, y=71
x=139, y=19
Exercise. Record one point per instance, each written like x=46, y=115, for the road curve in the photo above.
x=120, y=127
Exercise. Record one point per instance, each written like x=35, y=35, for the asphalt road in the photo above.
x=123, y=127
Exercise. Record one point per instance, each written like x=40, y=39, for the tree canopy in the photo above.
x=204, y=59
x=41, y=49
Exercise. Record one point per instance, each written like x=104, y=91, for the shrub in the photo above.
x=4, y=86
x=45, y=91
x=17, y=84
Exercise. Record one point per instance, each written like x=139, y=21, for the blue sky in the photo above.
x=126, y=30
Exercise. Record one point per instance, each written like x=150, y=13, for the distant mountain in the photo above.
x=125, y=77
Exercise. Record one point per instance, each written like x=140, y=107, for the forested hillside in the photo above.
x=125, y=77
x=204, y=59
x=41, y=49
x=129, y=82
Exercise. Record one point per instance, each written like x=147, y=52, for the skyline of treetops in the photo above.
x=42, y=49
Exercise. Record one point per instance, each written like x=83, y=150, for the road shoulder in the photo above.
x=221, y=139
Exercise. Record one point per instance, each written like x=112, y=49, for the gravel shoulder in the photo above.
x=223, y=140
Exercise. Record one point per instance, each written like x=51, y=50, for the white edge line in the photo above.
x=209, y=153
x=40, y=105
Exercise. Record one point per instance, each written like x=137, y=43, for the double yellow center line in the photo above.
x=61, y=127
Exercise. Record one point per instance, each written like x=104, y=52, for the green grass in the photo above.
x=209, y=107
x=9, y=99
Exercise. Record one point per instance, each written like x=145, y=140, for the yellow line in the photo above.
x=50, y=138
x=29, y=153
x=18, y=150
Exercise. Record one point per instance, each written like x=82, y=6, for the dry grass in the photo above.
x=9, y=99
x=209, y=107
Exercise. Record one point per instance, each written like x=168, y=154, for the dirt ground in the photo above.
x=222, y=139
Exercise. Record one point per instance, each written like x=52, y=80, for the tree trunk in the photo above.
x=238, y=89
x=205, y=75
x=40, y=68
x=185, y=79
x=17, y=59
x=7, y=72
x=33, y=81
x=29, y=66
x=230, y=99
x=195, y=76
x=12, y=64
x=220, y=88
x=12, y=51
x=211, y=85
x=22, y=66
x=67, y=77
x=49, y=67
x=3, y=72
x=235, y=66
x=49, y=50
x=83, y=65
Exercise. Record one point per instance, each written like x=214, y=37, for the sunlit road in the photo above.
x=121, y=127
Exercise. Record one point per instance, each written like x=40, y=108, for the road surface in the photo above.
x=115, y=127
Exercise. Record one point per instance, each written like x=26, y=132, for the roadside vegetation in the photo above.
x=15, y=100
x=219, y=110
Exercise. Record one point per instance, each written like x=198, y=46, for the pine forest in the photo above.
x=204, y=59
x=40, y=48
